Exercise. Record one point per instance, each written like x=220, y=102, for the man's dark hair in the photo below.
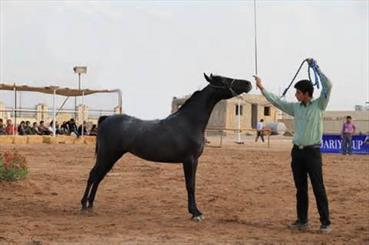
x=305, y=86
x=348, y=117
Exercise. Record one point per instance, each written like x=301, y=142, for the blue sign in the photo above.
x=332, y=143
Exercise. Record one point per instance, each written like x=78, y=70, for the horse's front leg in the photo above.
x=189, y=167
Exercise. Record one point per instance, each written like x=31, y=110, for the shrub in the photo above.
x=13, y=166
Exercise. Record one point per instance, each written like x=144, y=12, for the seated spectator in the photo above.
x=73, y=127
x=21, y=128
x=2, y=127
x=10, y=128
x=57, y=127
x=84, y=129
x=64, y=128
x=34, y=129
x=28, y=128
x=51, y=127
x=43, y=129
x=93, y=131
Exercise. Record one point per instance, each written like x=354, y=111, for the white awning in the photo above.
x=58, y=90
x=55, y=90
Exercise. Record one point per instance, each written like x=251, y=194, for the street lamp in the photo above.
x=79, y=70
x=240, y=112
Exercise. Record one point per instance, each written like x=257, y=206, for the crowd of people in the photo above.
x=66, y=128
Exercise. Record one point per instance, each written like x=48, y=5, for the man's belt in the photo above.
x=301, y=147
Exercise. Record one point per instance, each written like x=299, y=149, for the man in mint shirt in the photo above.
x=306, y=156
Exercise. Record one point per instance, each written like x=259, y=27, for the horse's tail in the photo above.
x=99, y=121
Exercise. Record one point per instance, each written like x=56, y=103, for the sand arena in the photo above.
x=245, y=191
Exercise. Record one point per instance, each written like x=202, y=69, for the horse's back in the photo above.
x=154, y=140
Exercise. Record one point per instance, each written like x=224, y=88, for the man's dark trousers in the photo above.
x=308, y=161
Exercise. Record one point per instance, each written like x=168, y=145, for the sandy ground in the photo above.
x=245, y=191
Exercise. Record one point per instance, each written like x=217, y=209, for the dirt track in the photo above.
x=245, y=192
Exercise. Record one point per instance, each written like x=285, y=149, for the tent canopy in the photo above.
x=54, y=90
x=58, y=90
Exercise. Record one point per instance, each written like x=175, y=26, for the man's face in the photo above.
x=302, y=97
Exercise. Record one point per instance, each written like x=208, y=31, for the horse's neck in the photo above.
x=198, y=111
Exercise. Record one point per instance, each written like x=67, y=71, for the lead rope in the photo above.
x=316, y=77
x=293, y=79
x=231, y=89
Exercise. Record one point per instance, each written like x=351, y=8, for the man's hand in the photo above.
x=259, y=82
x=312, y=63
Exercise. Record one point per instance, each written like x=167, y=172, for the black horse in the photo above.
x=179, y=138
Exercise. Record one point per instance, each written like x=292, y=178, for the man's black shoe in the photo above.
x=325, y=229
x=298, y=225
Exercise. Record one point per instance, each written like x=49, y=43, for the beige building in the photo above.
x=251, y=109
x=254, y=107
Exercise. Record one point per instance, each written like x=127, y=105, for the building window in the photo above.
x=267, y=111
x=239, y=110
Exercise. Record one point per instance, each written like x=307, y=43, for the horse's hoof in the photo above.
x=198, y=218
x=85, y=210
x=89, y=212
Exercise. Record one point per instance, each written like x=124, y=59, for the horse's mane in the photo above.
x=193, y=98
x=190, y=100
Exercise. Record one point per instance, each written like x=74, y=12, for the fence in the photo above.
x=218, y=136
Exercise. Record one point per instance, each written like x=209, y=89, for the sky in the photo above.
x=156, y=50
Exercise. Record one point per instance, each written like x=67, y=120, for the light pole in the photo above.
x=240, y=112
x=79, y=70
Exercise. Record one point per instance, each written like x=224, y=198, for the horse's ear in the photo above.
x=207, y=78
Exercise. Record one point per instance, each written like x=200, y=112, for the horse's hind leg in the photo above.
x=97, y=173
x=190, y=167
x=84, y=200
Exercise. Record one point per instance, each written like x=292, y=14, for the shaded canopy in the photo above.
x=58, y=90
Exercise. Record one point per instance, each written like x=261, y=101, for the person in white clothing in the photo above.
x=259, y=130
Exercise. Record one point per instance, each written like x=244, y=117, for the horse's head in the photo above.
x=228, y=87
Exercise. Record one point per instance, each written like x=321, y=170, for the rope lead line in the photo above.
x=316, y=76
